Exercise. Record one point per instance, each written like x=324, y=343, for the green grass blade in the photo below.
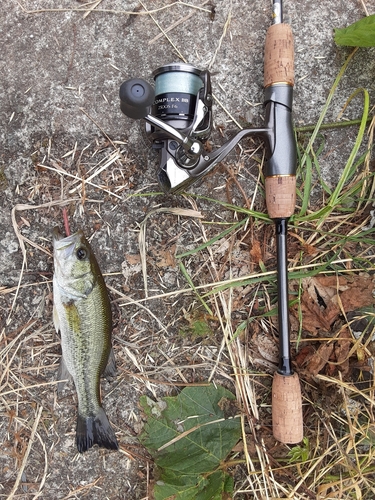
x=224, y=233
x=326, y=106
x=189, y=280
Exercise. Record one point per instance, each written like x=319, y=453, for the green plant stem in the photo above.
x=189, y=280
x=326, y=106
x=332, y=125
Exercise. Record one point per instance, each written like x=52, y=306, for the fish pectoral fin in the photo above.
x=110, y=369
x=95, y=430
x=56, y=320
x=63, y=375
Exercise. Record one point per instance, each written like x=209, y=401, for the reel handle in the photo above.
x=136, y=98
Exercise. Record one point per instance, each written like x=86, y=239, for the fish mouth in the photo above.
x=57, y=235
x=65, y=243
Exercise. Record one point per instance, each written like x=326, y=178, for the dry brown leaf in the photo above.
x=267, y=347
x=325, y=298
x=331, y=356
x=314, y=319
x=256, y=252
x=320, y=358
x=133, y=258
x=164, y=258
x=304, y=355
x=342, y=348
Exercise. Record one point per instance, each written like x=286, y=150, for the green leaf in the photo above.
x=216, y=486
x=189, y=437
x=300, y=453
x=359, y=34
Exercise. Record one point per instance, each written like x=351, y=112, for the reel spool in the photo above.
x=183, y=98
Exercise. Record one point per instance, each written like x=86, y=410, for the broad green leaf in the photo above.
x=359, y=34
x=216, y=486
x=189, y=437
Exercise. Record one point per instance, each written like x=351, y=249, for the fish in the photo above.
x=82, y=316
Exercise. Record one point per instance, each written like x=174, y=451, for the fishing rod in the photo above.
x=178, y=116
x=280, y=186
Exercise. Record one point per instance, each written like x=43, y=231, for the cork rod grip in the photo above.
x=279, y=55
x=287, y=419
x=280, y=196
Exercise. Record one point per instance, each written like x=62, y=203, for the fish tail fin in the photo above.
x=95, y=430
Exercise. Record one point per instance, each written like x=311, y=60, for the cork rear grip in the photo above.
x=287, y=419
x=279, y=55
x=280, y=196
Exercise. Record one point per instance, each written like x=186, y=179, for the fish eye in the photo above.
x=81, y=253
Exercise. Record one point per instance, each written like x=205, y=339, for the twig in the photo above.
x=164, y=33
x=111, y=11
x=72, y=176
x=26, y=456
x=123, y=296
x=174, y=25
x=227, y=112
x=21, y=207
x=364, y=7
x=100, y=128
x=226, y=26
x=93, y=7
x=27, y=387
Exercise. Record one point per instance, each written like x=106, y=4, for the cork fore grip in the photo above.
x=287, y=420
x=279, y=55
x=280, y=196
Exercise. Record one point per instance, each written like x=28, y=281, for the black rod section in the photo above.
x=285, y=367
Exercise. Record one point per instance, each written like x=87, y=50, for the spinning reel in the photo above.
x=178, y=115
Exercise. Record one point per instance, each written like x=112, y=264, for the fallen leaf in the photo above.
x=256, y=252
x=133, y=258
x=314, y=319
x=164, y=258
x=325, y=298
x=189, y=439
x=342, y=349
x=303, y=355
x=320, y=358
x=266, y=346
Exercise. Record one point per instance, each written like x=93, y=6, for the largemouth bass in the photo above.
x=82, y=315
